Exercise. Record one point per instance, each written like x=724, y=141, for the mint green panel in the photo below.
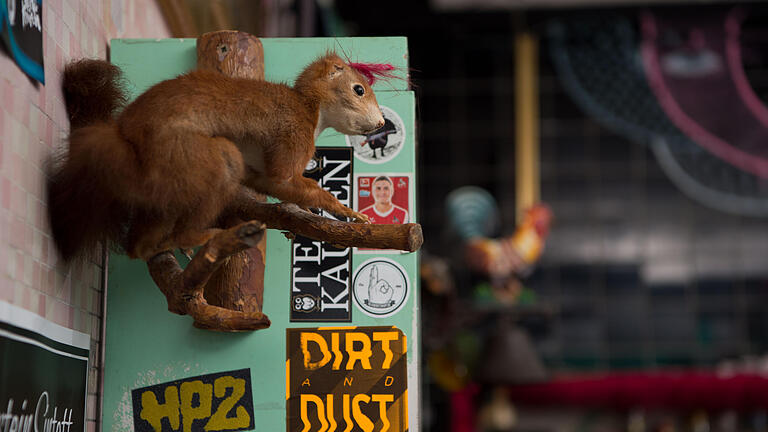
x=147, y=61
x=147, y=345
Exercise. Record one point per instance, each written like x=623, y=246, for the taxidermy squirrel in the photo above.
x=156, y=176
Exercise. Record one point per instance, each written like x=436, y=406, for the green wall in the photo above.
x=147, y=345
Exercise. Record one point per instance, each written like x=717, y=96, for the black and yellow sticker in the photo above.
x=346, y=379
x=216, y=402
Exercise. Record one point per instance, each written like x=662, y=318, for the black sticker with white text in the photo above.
x=321, y=273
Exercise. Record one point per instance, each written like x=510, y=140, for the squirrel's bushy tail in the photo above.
x=92, y=91
x=84, y=206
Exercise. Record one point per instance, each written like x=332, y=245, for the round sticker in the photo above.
x=312, y=165
x=383, y=144
x=380, y=287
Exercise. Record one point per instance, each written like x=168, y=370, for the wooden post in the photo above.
x=232, y=53
x=239, y=283
x=527, y=187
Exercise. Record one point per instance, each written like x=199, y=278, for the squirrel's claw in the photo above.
x=360, y=218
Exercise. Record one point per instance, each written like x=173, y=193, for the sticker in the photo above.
x=312, y=165
x=214, y=402
x=383, y=144
x=385, y=199
x=380, y=287
x=321, y=273
x=346, y=378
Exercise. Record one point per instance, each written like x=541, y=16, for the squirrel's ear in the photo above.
x=335, y=70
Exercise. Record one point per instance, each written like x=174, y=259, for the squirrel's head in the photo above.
x=347, y=102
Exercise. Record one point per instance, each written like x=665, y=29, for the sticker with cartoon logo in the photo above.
x=380, y=287
x=305, y=303
x=383, y=144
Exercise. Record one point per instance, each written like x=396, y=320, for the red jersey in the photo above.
x=395, y=215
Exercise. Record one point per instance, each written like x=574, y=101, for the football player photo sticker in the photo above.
x=384, y=198
x=383, y=144
x=380, y=287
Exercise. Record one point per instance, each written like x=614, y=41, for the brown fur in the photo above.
x=92, y=91
x=163, y=170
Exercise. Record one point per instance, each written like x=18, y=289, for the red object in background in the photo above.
x=515, y=254
x=671, y=390
x=701, y=85
x=463, y=409
x=530, y=236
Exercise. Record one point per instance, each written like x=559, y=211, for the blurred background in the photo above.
x=646, y=309
x=638, y=130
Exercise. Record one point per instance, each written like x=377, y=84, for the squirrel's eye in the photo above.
x=359, y=89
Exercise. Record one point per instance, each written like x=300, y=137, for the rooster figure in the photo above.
x=501, y=260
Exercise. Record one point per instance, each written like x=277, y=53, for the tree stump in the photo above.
x=184, y=289
x=232, y=53
x=239, y=283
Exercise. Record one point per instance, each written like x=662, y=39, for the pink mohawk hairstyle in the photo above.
x=373, y=71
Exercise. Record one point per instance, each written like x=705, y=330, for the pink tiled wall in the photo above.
x=33, y=123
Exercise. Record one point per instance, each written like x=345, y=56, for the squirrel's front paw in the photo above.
x=359, y=218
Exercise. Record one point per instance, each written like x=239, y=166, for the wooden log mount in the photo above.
x=184, y=289
x=232, y=53
x=238, y=284
x=222, y=286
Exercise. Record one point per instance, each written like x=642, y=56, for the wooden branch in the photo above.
x=290, y=217
x=183, y=289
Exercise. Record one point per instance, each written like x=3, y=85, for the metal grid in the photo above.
x=641, y=276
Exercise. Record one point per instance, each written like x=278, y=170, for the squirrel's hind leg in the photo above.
x=189, y=239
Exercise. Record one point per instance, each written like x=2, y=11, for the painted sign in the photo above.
x=383, y=144
x=321, y=273
x=346, y=379
x=21, y=31
x=214, y=402
x=43, y=378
